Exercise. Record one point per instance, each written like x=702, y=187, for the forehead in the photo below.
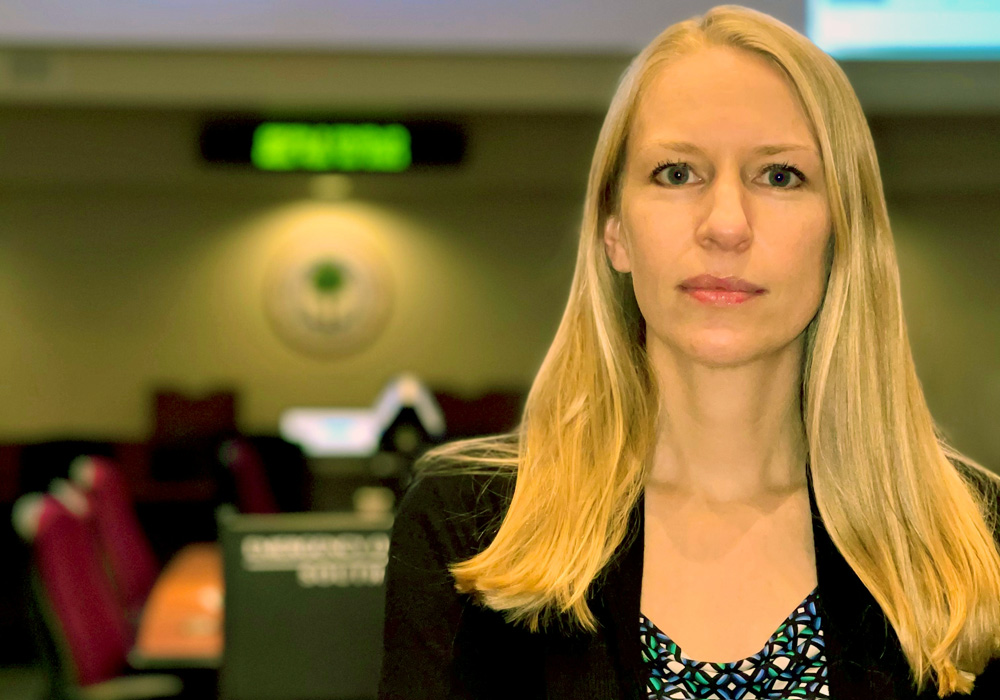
x=719, y=97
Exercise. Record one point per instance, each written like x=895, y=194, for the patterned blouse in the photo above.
x=792, y=664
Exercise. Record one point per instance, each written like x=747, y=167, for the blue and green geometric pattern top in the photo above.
x=792, y=664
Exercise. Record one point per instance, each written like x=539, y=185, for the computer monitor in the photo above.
x=304, y=605
x=901, y=30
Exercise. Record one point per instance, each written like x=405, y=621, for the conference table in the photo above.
x=182, y=622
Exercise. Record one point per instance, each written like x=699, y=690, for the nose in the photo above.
x=725, y=226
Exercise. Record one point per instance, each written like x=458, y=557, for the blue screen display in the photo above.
x=899, y=30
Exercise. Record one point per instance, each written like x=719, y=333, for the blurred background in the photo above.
x=256, y=256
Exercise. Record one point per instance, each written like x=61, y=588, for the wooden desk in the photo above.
x=181, y=624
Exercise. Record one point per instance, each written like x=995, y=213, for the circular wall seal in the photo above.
x=328, y=299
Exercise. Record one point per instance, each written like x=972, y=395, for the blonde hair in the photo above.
x=917, y=533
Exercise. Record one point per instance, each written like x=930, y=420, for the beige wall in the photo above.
x=105, y=296
x=949, y=257
x=132, y=268
x=124, y=265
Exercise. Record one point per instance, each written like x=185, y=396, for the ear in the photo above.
x=614, y=245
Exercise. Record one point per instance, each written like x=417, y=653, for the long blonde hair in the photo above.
x=918, y=534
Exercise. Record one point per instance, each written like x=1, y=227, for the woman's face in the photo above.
x=722, y=177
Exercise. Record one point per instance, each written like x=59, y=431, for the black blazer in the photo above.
x=439, y=644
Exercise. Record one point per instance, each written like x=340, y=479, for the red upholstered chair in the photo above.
x=79, y=594
x=80, y=608
x=121, y=540
x=253, y=490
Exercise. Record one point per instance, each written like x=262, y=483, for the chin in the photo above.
x=722, y=357
x=720, y=349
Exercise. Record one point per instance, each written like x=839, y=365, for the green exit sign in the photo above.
x=332, y=146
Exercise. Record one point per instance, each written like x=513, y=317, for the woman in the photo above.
x=726, y=482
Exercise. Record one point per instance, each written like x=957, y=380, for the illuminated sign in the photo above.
x=342, y=147
x=332, y=146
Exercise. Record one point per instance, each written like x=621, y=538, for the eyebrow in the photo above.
x=766, y=150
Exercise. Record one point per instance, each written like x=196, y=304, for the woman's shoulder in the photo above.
x=459, y=491
x=460, y=509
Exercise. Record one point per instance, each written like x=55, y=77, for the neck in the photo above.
x=729, y=434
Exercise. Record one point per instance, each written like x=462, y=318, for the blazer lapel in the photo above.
x=607, y=665
x=864, y=657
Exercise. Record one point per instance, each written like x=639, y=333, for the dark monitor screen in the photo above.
x=304, y=605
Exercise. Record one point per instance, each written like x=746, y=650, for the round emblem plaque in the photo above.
x=328, y=299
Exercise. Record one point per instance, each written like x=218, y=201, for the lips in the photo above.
x=726, y=284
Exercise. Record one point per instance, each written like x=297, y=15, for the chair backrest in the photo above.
x=76, y=595
x=253, y=490
x=123, y=543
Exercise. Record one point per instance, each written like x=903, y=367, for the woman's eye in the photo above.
x=672, y=173
x=779, y=175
